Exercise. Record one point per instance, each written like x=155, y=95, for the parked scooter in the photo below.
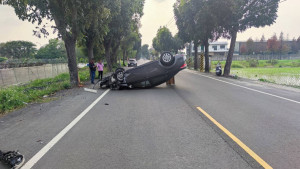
x=218, y=70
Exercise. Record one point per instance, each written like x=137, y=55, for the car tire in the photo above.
x=119, y=74
x=167, y=59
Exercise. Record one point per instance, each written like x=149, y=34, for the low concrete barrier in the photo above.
x=13, y=76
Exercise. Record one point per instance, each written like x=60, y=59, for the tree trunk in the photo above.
x=107, y=56
x=90, y=47
x=189, y=52
x=70, y=44
x=230, y=54
x=124, y=57
x=206, y=45
x=196, y=66
x=114, y=53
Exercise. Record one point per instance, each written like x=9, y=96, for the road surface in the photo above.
x=160, y=127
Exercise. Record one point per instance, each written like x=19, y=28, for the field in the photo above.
x=284, y=76
x=284, y=72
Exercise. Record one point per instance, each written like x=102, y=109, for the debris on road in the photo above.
x=90, y=90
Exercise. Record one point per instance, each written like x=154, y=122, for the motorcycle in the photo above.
x=218, y=70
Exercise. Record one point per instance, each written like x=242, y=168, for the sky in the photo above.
x=157, y=13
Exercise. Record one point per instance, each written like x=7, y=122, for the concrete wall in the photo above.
x=13, y=76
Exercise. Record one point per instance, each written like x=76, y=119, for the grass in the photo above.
x=285, y=72
x=15, y=97
x=261, y=63
x=284, y=76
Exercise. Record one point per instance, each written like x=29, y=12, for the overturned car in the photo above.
x=147, y=75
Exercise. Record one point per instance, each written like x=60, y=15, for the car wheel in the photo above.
x=120, y=74
x=167, y=59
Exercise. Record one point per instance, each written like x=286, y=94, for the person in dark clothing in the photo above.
x=92, y=71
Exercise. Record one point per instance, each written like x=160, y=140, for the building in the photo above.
x=259, y=47
x=215, y=48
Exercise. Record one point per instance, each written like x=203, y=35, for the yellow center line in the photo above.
x=238, y=141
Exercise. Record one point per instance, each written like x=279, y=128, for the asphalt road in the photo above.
x=161, y=127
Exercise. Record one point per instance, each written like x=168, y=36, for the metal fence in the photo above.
x=19, y=75
x=258, y=57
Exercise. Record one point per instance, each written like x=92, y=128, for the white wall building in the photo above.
x=218, y=48
x=215, y=48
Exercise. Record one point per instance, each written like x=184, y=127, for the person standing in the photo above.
x=92, y=71
x=100, y=66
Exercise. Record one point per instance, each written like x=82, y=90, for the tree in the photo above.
x=250, y=46
x=17, y=49
x=70, y=20
x=178, y=43
x=196, y=22
x=294, y=47
x=240, y=15
x=163, y=41
x=128, y=13
x=145, y=51
x=281, y=45
x=273, y=44
x=244, y=49
x=99, y=16
x=137, y=47
x=298, y=42
x=262, y=39
x=187, y=26
x=55, y=49
x=128, y=43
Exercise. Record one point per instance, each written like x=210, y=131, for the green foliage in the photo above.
x=253, y=62
x=11, y=98
x=250, y=46
x=237, y=66
x=272, y=61
x=145, y=51
x=285, y=76
x=71, y=18
x=18, y=96
x=129, y=44
x=17, y=49
x=263, y=63
x=264, y=80
x=55, y=49
x=84, y=74
x=239, y=15
x=164, y=40
x=2, y=59
x=126, y=14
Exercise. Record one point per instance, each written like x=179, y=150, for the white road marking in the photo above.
x=248, y=88
x=60, y=135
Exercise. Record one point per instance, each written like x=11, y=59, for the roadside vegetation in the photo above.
x=284, y=72
x=15, y=97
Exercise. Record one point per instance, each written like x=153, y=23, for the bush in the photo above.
x=10, y=99
x=2, y=59
x=264, y=80
x=237, y=66
x=253, y=62
x=67, y=85
x=295, y=64
x=272, y=61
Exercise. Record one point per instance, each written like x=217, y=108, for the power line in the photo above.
x=170, y=20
